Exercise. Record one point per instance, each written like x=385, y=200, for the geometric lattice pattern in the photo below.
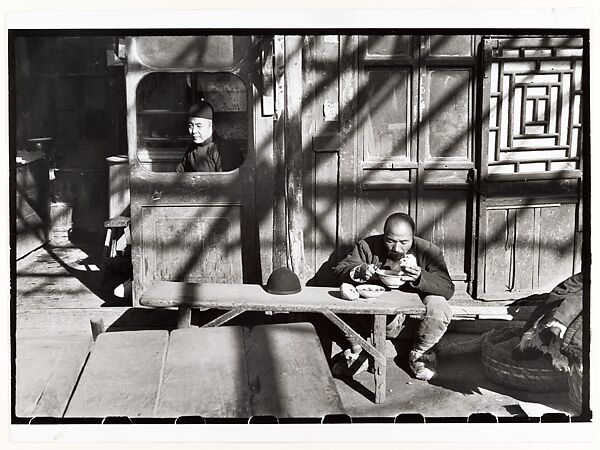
x=535, y=106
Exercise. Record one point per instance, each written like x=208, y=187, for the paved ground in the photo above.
x=460, y=390
x=59, y=290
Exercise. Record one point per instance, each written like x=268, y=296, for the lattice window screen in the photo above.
x=535, y=105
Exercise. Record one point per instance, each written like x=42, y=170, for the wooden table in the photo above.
x=238, y=298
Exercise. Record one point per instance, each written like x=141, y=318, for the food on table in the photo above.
x=349, y=292
x=370, y=290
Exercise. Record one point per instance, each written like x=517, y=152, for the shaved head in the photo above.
x=398, y=235
x=399, y=218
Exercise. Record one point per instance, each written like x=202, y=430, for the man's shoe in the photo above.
x=350, y=364
x=422, y=365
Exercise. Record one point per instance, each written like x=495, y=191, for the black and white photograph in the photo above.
x=299, y=225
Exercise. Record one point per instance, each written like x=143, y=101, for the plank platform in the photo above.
x=164, y=294
x=205, y=374
x=252, y=297
x=47, y=368
x=122, y=375
x=288, y=373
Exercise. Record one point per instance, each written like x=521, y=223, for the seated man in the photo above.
x=202, y=155
x=424, y=272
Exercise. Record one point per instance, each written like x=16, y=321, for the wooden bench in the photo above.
x=115, y=228
x=221, y=372
x=237, y=298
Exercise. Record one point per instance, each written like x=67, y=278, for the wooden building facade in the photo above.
x=479, y=138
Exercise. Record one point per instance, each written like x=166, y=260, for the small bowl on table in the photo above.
x=370, y=290
x=391, y=278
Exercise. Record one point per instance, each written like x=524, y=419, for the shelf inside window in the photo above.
x=150, y=112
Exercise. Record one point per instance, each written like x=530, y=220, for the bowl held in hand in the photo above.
x=391, y=278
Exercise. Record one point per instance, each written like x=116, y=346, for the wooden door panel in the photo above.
x=191, y=243
x=375, y=205
x=447, y=120
x=524, y=251
x=444, y=220
x=196, y=227
x=557, y=229
x=389, y=46
x=497, y=255
x=325, y=219
x=445, y=45
x=530, y=165
x=528, y=248
x=387, y=118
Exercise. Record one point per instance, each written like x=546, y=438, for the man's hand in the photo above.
x=363, y=273
x=412, y=272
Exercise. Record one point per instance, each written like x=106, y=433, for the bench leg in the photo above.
x=377, y=350
x=106, y=255
x=380, y=365
x=184, y=317
x=97, y=327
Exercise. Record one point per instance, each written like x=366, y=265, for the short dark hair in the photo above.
x=400, y=217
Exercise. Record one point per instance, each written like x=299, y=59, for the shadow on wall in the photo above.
x=346, y=192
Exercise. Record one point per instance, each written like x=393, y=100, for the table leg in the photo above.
x=377, y=350
x=380, y=365
x=184, y=317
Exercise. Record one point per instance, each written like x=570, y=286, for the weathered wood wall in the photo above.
x=342, y=131
x=388, y=127
x=530, y=176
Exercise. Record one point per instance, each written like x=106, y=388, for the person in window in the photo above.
x=202, y=155
x=424, y=271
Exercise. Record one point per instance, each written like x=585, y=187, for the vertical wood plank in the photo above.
x=268, y=98
x=481, y=165
x=293, y=155
x=265, y=188
x=524, y=247
x=578, y=244
x=348, y=192
x=557, y=233
x=327, y=198
x=310, y=166
x=535, y=269
x=380, y=368
x=279, y=219
x=444, y=214
x=417, y=131
x=496, y=253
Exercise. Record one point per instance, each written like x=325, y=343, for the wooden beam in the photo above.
x=224, y=317
x=279, y=186
x=293, y=155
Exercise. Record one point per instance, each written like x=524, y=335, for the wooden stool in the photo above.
x=115, y=228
